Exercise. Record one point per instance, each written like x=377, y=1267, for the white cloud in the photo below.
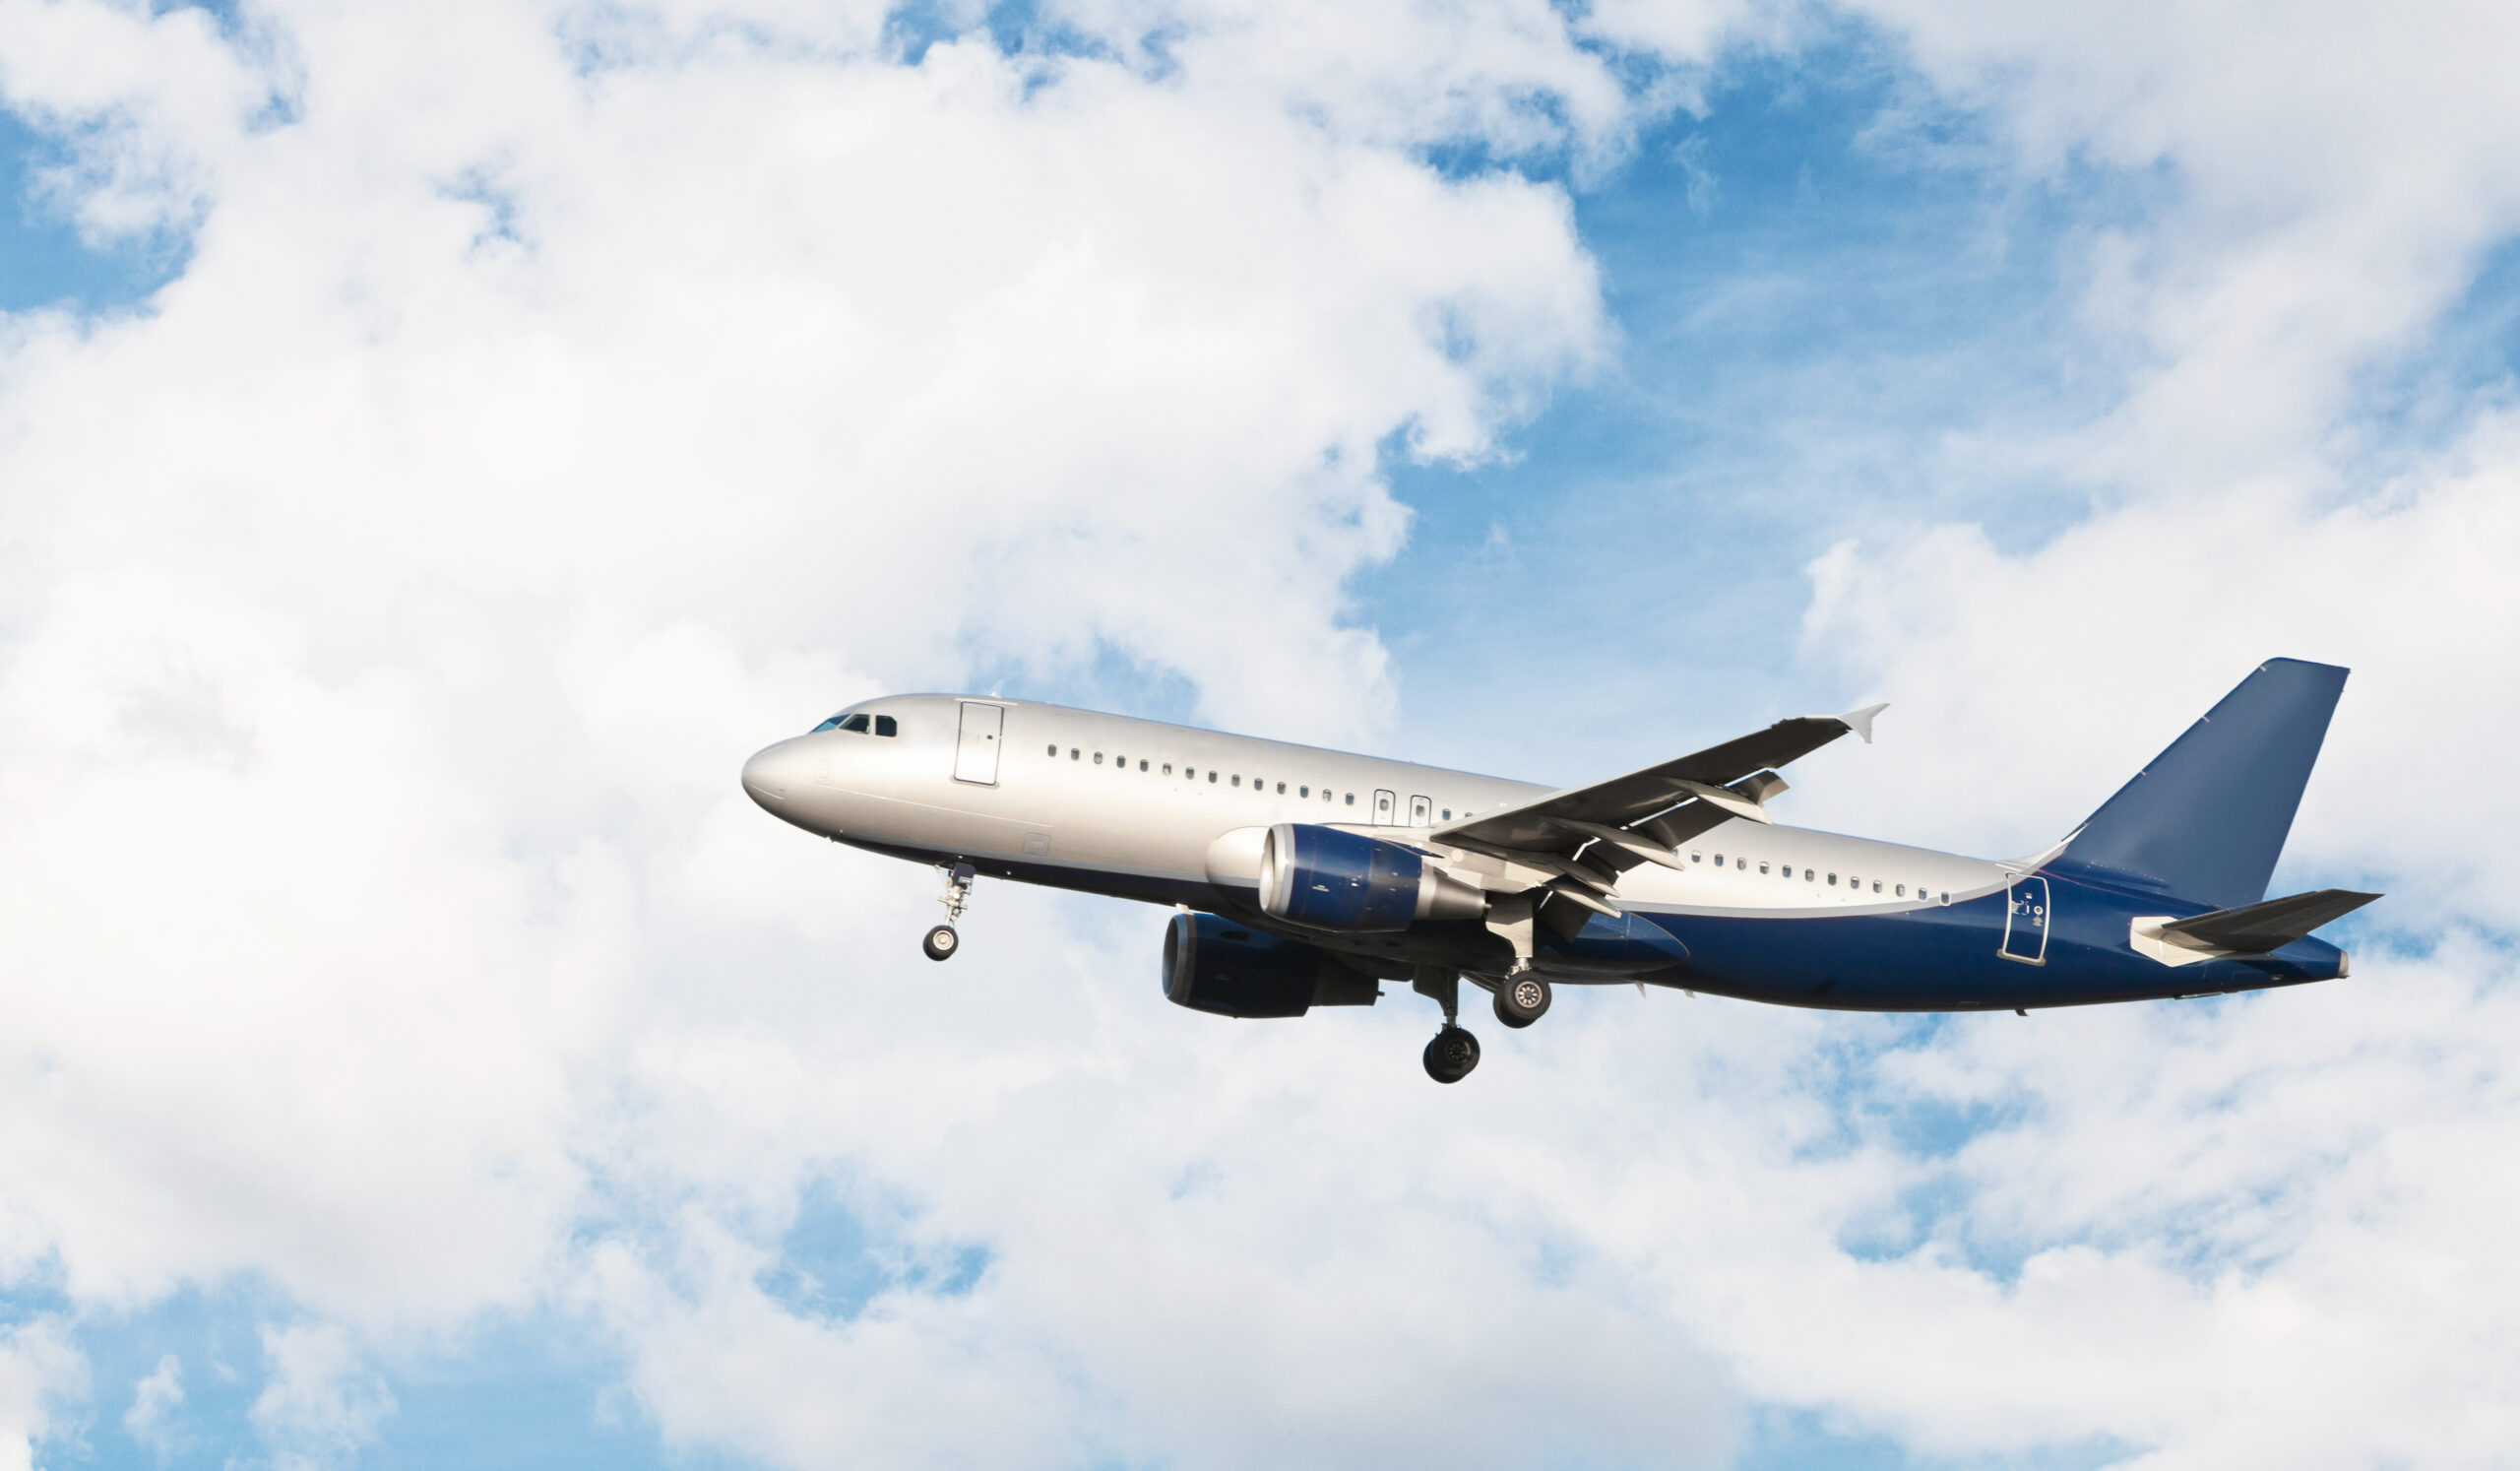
x=555, y=406
x=320, y=1403
x=155, y=1402
x=40, y=1367
x=559, y=403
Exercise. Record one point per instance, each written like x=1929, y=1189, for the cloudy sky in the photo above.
x=439, y=441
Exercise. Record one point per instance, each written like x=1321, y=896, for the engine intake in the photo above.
x=1325, y=879
x=1213, y=965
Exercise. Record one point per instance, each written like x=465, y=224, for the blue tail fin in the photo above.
x=2208, y=817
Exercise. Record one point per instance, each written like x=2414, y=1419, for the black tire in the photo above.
x=941, y=942
x=1451, y=1056
x=1522, y=1000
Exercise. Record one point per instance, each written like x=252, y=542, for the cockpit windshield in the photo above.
x=861, y=723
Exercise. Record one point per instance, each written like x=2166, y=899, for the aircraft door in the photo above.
x=976, y=752
x=1383, y=801
x=2026, y=921
x=1422, y=812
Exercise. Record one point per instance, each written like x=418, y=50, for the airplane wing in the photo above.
x=1590, y=835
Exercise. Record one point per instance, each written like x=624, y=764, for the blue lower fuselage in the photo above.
x=1987, y=952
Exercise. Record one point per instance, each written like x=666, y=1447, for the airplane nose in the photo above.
x=769, y=775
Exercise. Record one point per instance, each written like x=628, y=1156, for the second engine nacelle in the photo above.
x=1215, y=965
x=1324, y=878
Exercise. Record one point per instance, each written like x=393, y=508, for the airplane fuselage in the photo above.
x=1176, y=815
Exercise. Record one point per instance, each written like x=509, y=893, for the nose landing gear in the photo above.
x=941, y=942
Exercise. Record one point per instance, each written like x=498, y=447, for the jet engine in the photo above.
x=1325, y=878
x=1213, y=965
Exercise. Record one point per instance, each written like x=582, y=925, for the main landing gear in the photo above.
x=942, y=942
x=1452, y=1054
x=1522, y=998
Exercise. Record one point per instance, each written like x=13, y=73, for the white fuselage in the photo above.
x=1129, y=806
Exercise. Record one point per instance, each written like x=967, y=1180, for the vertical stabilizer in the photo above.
x=2206, y=819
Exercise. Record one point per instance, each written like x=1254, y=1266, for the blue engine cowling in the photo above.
x=1213, y=965
x=1327, y=878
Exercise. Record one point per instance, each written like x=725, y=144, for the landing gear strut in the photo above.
x=1454, y=1052
x=942, y=942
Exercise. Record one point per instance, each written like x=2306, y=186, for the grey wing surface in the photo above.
x=1658, y=806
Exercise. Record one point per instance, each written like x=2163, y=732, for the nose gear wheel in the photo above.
x=941, y=942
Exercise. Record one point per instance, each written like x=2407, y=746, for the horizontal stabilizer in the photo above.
x=2255, y=928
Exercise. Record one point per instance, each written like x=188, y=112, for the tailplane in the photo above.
x=2206, y=819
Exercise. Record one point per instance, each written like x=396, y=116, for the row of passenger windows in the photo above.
x=1213, y=777
x=1812, y=875
x=882, y=725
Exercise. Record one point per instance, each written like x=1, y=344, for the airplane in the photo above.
x=1306, y=878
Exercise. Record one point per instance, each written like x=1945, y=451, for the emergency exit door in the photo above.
x=976, y=752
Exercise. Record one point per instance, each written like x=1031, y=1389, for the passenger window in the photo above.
x=1697, y=858
x=1876, y=886
x=1141, y=763
x=1448, y=814
x=1351, y=799
x=1763, y=866
x=1833, y=880
x=1074, y=754
x=1189, y=773
x=1098, y=758
x=1055, y=749
x=1212, y=777
x=1810, y=875
x=1168, y=768
x=1719, y=860
x=1303, y=791
x=885, y=725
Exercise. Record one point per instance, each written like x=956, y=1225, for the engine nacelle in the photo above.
x=1213, y=965
x=1324, y=878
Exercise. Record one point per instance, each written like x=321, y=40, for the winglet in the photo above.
x=1860, y=720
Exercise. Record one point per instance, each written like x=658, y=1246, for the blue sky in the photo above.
x=394, y=573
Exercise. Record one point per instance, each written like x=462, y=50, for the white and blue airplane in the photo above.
x=1306, y=878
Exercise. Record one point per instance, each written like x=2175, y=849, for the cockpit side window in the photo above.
x=885, y=725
